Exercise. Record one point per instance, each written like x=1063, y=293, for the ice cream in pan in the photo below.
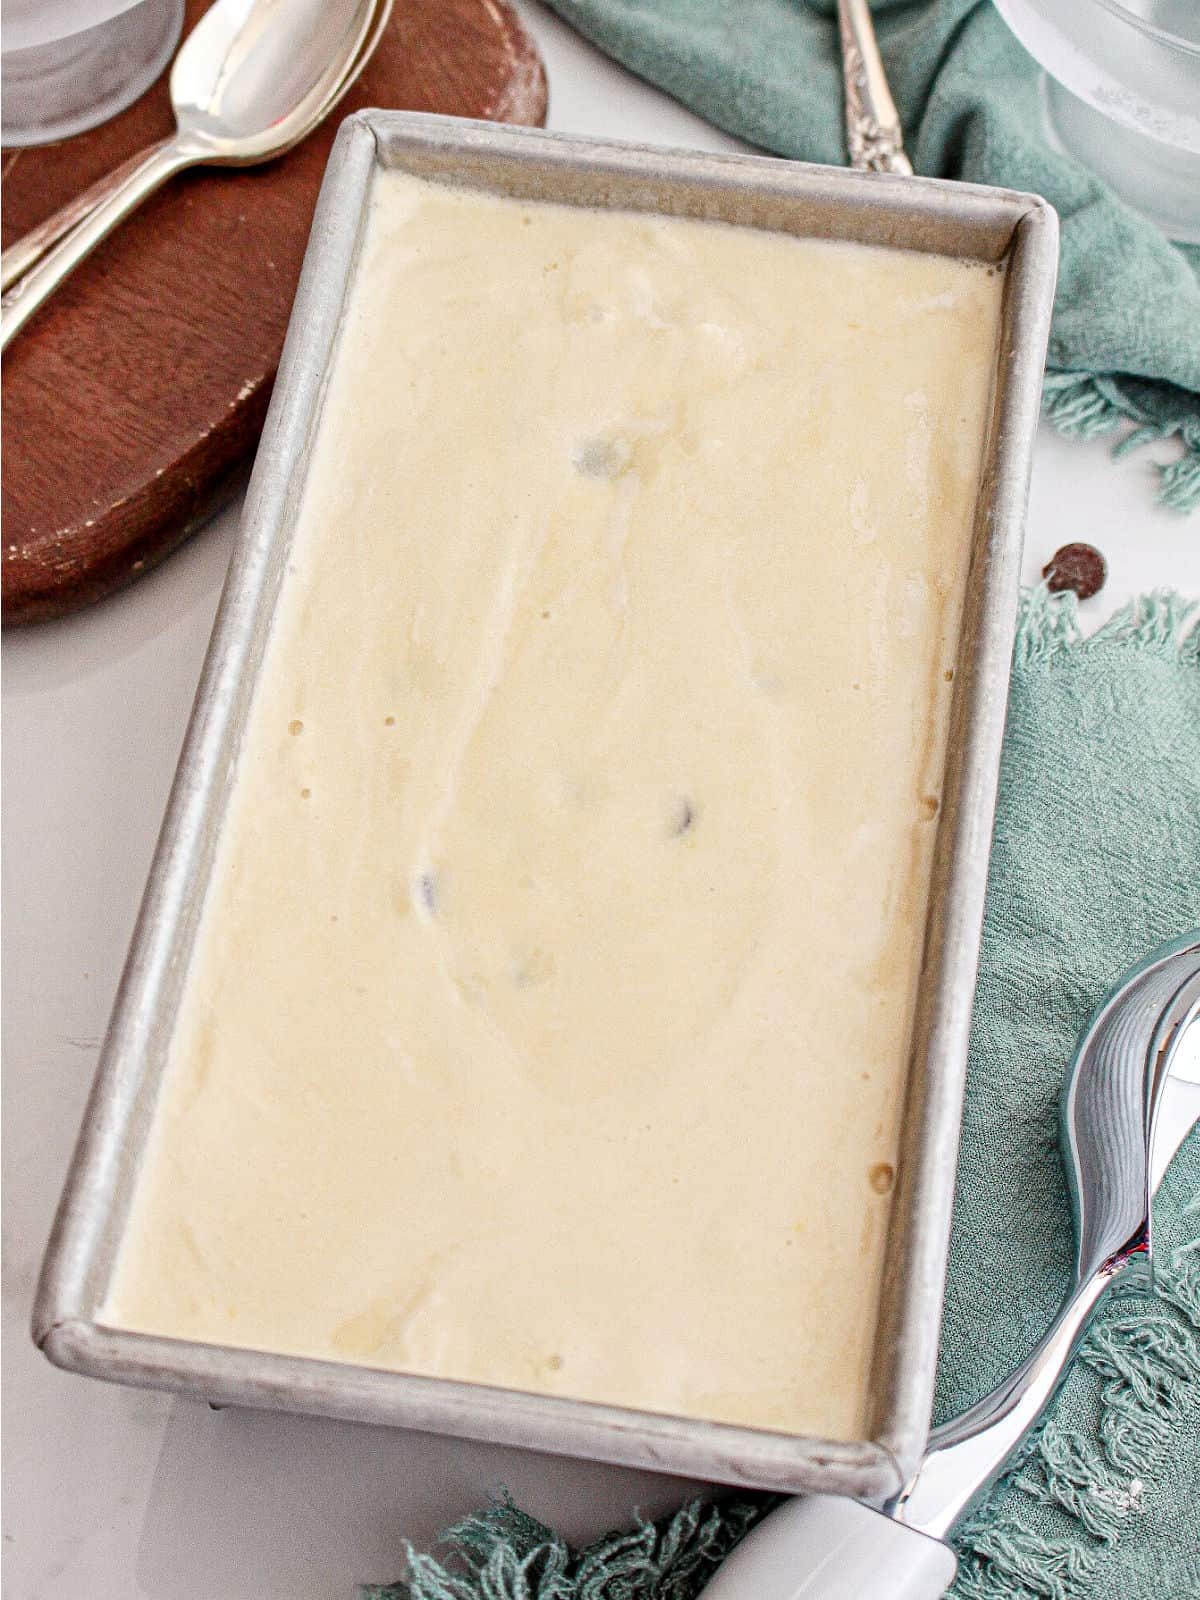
x=548, y=1019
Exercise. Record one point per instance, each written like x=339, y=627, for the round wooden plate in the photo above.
x=133, y=399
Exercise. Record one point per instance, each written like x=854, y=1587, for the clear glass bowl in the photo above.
x=1123, y=95
x=67, y=65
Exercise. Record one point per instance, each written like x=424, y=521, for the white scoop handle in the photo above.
x=825, y=1547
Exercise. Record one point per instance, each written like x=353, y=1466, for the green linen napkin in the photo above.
x=1125, y=342
x=1096, y=859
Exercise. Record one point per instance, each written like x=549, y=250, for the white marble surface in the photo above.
x=118, y=1495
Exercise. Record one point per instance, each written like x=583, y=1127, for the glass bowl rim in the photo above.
x=1173, y=41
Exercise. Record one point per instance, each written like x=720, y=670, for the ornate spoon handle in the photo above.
x=137, y=182
x=873, y=131
x=32, y=246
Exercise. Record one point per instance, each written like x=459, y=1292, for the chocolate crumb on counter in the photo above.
x=1080, y=567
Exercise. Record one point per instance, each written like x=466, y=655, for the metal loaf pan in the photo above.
x=909, y=213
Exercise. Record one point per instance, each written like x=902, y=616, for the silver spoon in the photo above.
x=252, y=79
x=1114, y=1149
x=873, y=132
x=32, y=246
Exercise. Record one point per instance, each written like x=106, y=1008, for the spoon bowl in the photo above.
x=254, y=76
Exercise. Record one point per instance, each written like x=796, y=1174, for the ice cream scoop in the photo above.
x=1116, y=1143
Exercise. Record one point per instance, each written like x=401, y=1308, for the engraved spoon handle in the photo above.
x=873, y=132
x=140, y=181
x=32, y=246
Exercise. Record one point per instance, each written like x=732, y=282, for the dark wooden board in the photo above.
x=134, y=398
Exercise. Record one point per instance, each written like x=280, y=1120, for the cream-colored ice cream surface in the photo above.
x=548, y=1018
